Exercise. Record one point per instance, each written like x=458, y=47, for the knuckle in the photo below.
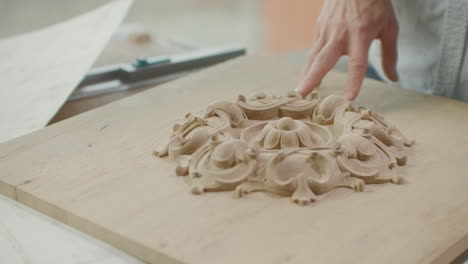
x=340, y=37
x=320, y=58
x=358, y=65
x=363, y=33
x=362, y=29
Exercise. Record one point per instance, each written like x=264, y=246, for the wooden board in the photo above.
x=95, y=172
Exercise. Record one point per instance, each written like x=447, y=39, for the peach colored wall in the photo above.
x=289, y=24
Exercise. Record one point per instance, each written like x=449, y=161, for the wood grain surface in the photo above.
x=95, y=172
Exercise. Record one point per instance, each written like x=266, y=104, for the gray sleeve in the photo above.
x=451, y=79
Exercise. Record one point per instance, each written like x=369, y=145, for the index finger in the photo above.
x=321, y=65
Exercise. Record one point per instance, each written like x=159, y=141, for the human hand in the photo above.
x=347, y=27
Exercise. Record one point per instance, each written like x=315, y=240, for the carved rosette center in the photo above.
x=286, y=124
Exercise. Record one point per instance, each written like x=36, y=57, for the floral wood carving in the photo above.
x=290, y=146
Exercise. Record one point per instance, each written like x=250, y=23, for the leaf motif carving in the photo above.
x=289, y=146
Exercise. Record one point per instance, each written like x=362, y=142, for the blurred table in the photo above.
x=123, y=48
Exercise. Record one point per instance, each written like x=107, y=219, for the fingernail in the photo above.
x=348, y=96
x=298, y=90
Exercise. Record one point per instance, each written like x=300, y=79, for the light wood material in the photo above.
x=95, y=172
x=286, y=145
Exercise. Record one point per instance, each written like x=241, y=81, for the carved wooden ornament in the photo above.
x=290, y=146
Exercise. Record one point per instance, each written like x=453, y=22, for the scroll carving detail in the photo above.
x=290, y=146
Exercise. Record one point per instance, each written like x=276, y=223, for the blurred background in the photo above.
x=156, y=27
x=165, y=27
x=263, y=26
